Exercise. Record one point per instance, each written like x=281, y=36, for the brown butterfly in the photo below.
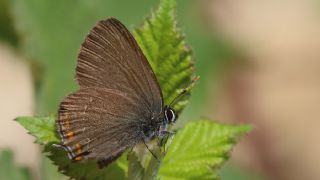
x=119, y=103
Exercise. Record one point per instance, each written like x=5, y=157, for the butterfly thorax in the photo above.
x=159, y=124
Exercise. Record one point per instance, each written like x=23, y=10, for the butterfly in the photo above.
x=119, y=103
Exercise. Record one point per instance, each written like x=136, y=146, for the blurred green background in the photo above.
x=258, y=63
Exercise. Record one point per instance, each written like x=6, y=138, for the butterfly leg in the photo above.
x=164, y=136
x=151, y=152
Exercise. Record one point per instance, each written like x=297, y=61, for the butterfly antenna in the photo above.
x=179, y=96
x=185, y=90
x=151, y=152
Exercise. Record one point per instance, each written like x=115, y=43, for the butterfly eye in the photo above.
x=170, y=115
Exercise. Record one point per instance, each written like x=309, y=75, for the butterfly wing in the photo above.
x=111, y=58
x=118, y=94
x=97, y=123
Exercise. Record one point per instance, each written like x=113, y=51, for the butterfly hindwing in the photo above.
x=99, y=123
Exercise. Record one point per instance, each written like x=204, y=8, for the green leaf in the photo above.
x=164, y=46
x=43, y=128
x=11, y=171
x=199, y=150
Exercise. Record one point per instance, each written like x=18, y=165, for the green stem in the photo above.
x=140, y=167
x=135, y=170
x=152, y=169
x=154, y=164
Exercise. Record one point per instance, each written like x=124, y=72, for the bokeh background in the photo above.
x=259, y=63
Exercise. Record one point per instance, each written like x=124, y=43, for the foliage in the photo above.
x=42, y=128
x=197, y=150
x=165, y=48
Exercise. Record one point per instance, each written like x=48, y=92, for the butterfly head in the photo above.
x=170, y=115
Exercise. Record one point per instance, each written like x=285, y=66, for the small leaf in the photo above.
x=164, y=46
x=11, y=171
x=43, y=128
x=199, y=149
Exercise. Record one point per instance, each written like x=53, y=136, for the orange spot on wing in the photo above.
x=70, y=135
x=78, y=151
x=78, y=148
x=78, y=158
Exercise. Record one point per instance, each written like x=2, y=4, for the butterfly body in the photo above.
x=119, y=103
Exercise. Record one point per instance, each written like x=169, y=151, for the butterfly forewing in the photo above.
x=118, y=94
x=111, y=58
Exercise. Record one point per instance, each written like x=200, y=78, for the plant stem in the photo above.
x=152, y=169
x=135, y=170
x=154, y=164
